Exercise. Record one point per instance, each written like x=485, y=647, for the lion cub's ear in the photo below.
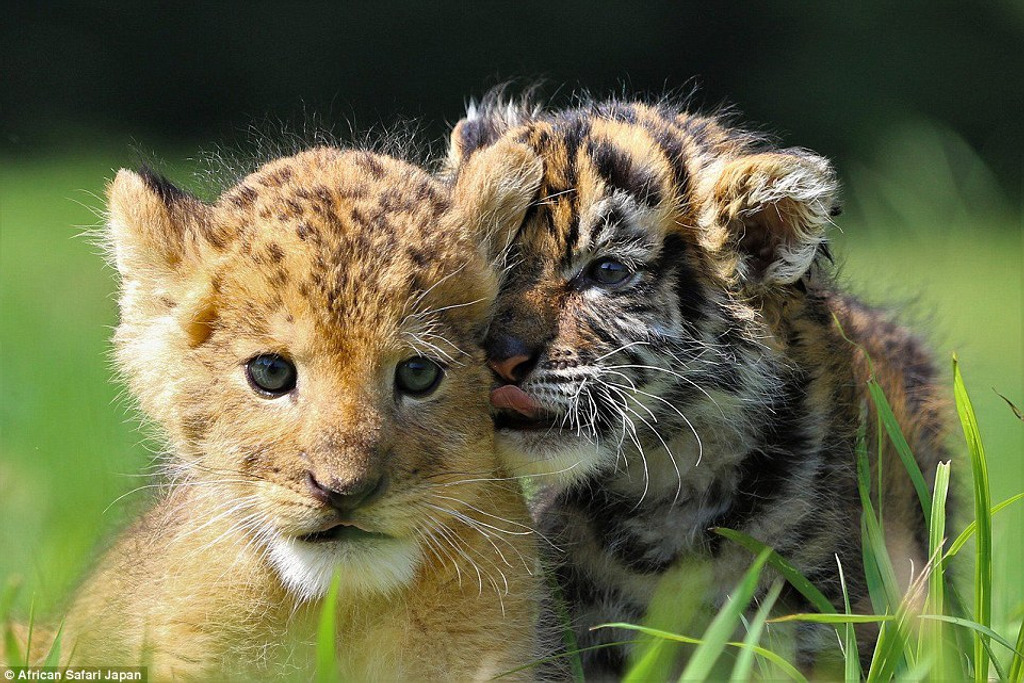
x=494, y=189
x=774, y=208
x=154, y=228
x=485, y=123
x=158, y=236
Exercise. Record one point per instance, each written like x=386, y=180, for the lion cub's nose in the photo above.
x=347, y=496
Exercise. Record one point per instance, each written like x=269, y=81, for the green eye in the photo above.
x=271, y=374
x=417, y=376
x=608, y=272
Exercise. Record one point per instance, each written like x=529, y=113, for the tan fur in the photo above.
x=347, y=263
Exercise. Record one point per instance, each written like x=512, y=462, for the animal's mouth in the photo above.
x=516, y=410
x=340, y=532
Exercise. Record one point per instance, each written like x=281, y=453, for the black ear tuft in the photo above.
x=469, y=135
x=164, y=188
x=825, y=251
x=485, y=122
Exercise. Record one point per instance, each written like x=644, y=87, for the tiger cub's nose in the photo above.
x=510, y=357
x=346, y=497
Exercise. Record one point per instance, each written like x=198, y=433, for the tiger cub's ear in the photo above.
x=771, y=210
x=493, y=190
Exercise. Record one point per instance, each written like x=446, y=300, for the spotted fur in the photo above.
x=331, y=259
x=714, y=388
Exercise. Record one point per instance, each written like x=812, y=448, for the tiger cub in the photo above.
x=312, y=352
x=667, y=360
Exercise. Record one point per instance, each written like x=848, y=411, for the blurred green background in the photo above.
x=919, y=103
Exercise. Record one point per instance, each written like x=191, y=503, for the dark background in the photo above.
x=834, y=77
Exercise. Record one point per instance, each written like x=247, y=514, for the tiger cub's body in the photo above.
x=668, y=361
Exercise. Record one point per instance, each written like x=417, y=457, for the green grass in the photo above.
x=940, y=245
x=911, y=645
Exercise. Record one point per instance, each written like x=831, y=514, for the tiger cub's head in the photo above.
x=635, y=306
x=310, y=343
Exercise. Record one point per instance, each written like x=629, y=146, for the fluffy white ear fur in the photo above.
x=775, y=207
x=494, y=189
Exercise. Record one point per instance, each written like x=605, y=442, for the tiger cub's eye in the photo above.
x=608, y=272
x=271, y=375
x=417, y=376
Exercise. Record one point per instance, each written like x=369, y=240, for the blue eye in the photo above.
x=417, y=376
x=608, y=272
x=271, y=374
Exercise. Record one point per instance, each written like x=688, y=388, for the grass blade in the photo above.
x=961, y=610
x=783, y=566
x=971, y=528
x=326, y=636
x=935, y=603
x=745, y=661
x=11, y=646
x=851, y=652
x=891, y=651
x=983, y=520
x=882, y=584
x=978, y=628
x=568, y=634
x=815, y=618
x=53, y=654
x=724, y=623
x=892, y=427
x=1017, y=665
x=677, y=605
x=1018, y=413
x=767, y=654
x=892, y=648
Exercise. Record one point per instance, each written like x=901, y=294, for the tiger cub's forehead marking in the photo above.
x=609, y=184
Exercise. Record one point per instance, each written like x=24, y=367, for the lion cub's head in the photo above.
x=311, y=345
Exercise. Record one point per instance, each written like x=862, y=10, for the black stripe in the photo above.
x=580, y=591
x=620, y=173
x=766, y=472
x=690, y=297
x=669, y=139
x=574, y=130
x=609, y=515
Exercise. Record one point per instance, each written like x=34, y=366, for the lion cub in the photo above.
x=311, y=347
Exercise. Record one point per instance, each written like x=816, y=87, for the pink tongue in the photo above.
x=514, y=398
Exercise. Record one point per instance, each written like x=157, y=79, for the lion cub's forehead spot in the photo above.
x=347, y=238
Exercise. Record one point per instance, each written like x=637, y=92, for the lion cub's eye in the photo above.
x=417, y=376
x=271, y=374
x=608, y=272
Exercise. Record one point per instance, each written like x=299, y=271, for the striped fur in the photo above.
x=713, y=387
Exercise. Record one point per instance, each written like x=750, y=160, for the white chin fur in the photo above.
x=367, y=566
x=550, y=458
